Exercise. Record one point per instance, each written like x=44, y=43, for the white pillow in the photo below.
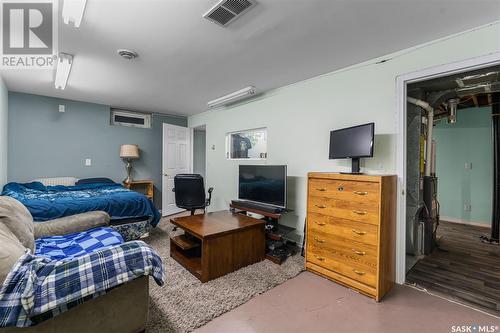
x=53, y=181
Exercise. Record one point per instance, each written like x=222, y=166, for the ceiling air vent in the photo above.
x=226, y=11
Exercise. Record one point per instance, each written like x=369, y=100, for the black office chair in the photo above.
x=190, y=192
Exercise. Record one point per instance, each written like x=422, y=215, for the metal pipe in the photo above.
x=430, y=124
x=453, y=106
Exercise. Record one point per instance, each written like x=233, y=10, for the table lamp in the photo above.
x=128, y=153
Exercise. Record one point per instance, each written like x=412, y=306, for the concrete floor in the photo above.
x=309, y=303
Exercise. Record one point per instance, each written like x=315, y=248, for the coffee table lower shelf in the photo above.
x=188, y=259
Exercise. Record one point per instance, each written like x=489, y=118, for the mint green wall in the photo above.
x=467, y=141
x=3, y=132
x=300, y=116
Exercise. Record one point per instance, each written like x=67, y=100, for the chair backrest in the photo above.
x=189, y=191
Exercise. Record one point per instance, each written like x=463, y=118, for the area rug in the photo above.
x=184, y=303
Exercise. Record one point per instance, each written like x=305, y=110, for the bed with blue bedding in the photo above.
x=51, y=202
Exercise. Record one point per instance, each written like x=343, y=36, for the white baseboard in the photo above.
x=460, y=221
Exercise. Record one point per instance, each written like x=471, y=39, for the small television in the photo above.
x=263, y=184
x=352, y=142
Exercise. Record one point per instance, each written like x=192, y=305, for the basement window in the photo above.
x=248, y=144
x=130, y=118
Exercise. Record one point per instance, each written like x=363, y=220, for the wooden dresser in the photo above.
x=351, y=230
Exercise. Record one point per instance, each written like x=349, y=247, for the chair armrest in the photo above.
x=209, y=200
x=71, y=224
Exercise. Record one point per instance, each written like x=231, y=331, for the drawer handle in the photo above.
x=320, y=223
x=358, y=232
x=340, y=188
x=319, y=240
x=359, y=253
x=360, y=192
x=320, y=206
x=321, y=189
x=360, y=212
x=319, y=258
x=358, y=272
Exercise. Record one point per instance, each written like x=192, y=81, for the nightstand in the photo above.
x=142, y=186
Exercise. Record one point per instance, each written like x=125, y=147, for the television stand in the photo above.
x=277, y=247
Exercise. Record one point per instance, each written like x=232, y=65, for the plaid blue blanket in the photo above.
x=77, y=244
x=38, y=288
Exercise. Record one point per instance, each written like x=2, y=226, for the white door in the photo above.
x=176, y=159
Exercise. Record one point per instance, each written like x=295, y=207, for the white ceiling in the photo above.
x=185, y=61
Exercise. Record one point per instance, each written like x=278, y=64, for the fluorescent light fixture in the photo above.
x=73, y=11
x=232, y=97
x=64, y=62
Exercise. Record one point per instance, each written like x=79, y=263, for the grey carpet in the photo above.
x=184, y=303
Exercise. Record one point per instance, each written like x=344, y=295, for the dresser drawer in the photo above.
x=345, y=251
x=356, y=211
x=345, y=190
x=323, y=258
x=335, y=226
x=361, y=274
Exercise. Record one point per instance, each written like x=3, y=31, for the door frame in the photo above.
x=401, y=84
x=190, y=164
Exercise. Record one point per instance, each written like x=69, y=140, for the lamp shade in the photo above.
x=129, y=151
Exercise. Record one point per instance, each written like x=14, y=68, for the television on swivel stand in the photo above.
x=353, y=142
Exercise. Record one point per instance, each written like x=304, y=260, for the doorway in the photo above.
x=451, y=245
x=177, y=158
x=199, y=151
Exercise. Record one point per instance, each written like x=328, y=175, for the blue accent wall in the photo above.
x=3, y=132
x=43, y=142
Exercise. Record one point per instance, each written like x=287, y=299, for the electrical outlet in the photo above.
x=88, y=162
x=62, y=108
x=467, y=207
x=468, y=165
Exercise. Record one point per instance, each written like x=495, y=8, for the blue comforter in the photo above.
x=50, y=202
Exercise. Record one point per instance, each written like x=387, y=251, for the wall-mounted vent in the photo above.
x=130, y=118
x=226, y=11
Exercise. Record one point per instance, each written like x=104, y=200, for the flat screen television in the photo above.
x=264, y=184
x=352, y=142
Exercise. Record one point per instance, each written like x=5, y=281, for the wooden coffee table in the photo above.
x=217, y=243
